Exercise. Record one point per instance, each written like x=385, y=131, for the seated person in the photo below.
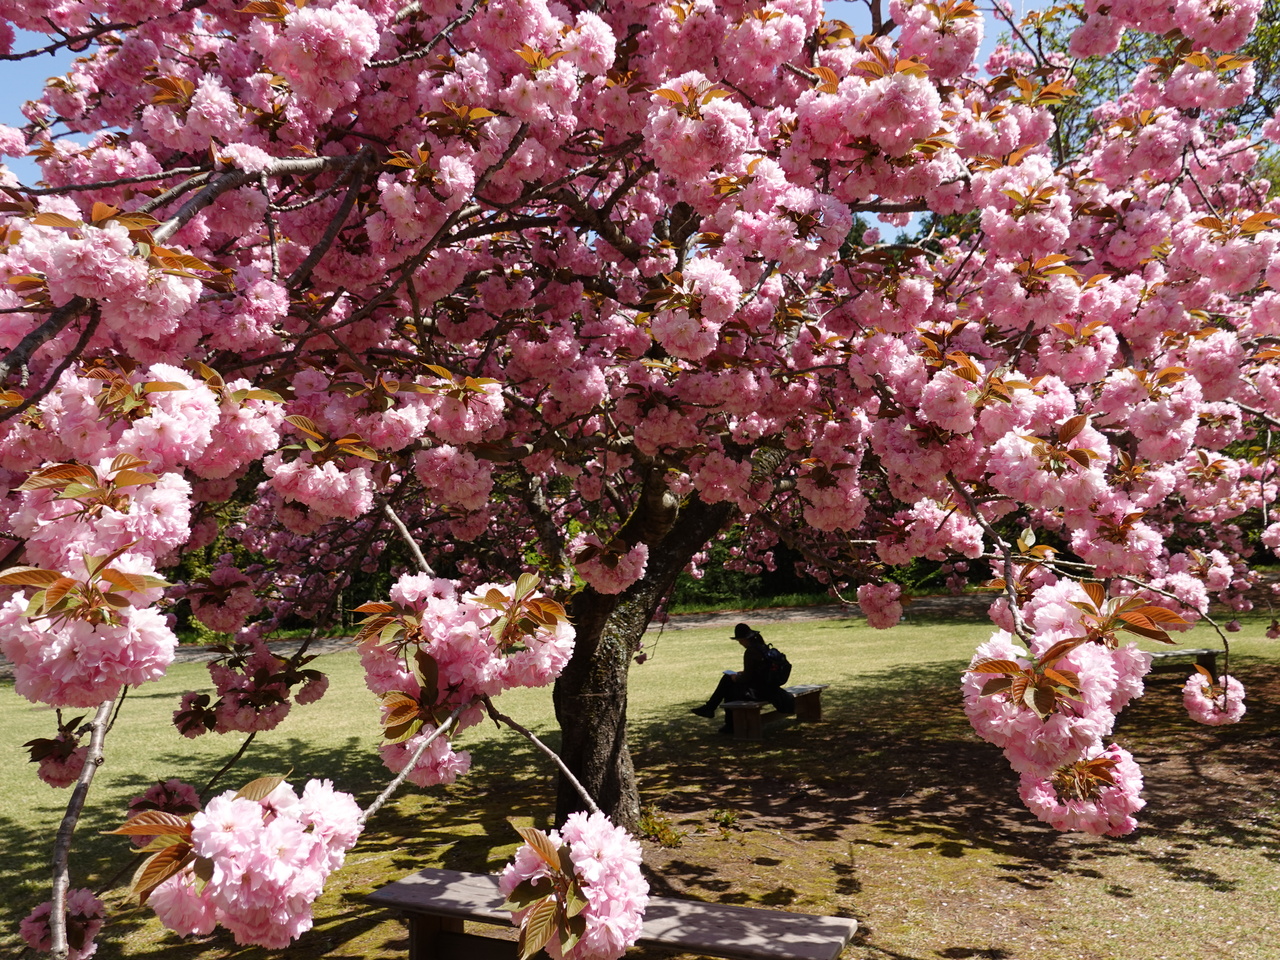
x=753, y=682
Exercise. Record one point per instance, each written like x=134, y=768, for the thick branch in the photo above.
x=41, y=335
x=233, y=179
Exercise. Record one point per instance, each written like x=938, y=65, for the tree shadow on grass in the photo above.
x=893, y=763
x=895, y=752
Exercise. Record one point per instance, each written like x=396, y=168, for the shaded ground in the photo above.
x=891, y=811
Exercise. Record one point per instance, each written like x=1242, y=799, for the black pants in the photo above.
x=732, y=687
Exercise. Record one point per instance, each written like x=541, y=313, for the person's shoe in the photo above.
x=726, y=729
x=706, y=710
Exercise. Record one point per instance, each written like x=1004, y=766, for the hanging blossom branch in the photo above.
x=498, y=717
x=62, y=843
x=400, y=778
x=1010, y=588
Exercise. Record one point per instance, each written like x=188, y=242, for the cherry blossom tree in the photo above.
x=523, y=303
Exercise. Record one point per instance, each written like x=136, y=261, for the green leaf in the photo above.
x=528, y=893
x=527, y=583
x=400, y=732
x=571, y=929
x=575, y=902
x=539, y=924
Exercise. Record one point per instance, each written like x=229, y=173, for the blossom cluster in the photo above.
x=85, y=916
x=606, y=870
x=471, y=661
x=1213, y=702
x=267, y=862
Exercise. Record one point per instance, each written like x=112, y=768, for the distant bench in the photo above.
x=747, y=722
x=437, y=902
x=1204, y=657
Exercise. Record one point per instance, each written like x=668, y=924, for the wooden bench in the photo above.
x=747, y=722
x=437, y=902
x=1205, y=657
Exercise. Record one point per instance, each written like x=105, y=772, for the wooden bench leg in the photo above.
x=809, y=706
x=745, y=723
x=423, y=931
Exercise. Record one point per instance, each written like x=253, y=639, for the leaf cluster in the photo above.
x=170, y=850
x=554, y=903
x=94, y=599
x=82, y=485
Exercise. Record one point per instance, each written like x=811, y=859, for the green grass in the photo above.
x=893, y=734
x=754, y=603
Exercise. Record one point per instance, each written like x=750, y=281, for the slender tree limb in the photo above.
x=95, y=316
x=62, y=842
x=336, y=222
x=33, y=341
x=235, y=758
x=498, y=717
x=394, y=785
x=409, y=542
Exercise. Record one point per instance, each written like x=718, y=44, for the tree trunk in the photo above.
x=591, y=693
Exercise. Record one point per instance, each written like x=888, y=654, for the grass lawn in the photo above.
x=890, y=810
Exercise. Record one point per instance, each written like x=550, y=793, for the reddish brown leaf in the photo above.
x=154, y=823
x=541, y=845
x=1096, y=592
x=158, y=868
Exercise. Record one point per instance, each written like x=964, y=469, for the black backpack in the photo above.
x=777, y=668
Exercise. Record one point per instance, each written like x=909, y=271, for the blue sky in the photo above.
x=24, y=79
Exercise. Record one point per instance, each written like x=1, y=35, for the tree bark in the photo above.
x=591, y=694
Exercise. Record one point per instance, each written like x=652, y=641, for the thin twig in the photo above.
x=62, y=844
x=1010, y=585
x=426, y=48
x=104, y=184
x=227, y=766
x=498, y=717
x=409, y=542
x=394, y=785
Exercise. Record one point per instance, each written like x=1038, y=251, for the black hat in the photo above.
x=742, y=631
